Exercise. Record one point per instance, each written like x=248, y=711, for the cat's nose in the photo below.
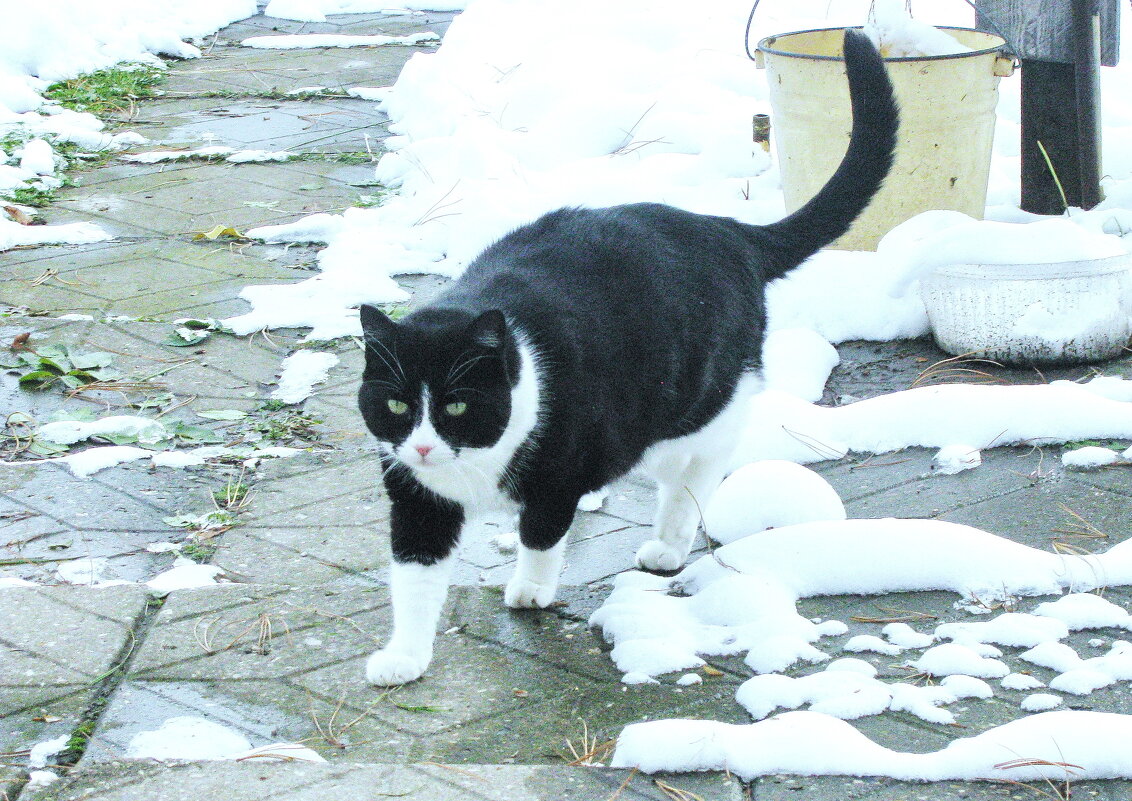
x=424, y=450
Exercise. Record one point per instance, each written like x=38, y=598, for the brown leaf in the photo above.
x=17, y=215
x=711, y=671
x=20, y=341
x=219, y=231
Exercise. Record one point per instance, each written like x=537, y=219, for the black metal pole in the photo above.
x=1087, y=60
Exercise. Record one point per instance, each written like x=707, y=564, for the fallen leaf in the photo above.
x=219, y=231
x=520, y=693
x=45, y=718
x=711, y=671
x=223, y=414
x=18, y=215
x=20, y=341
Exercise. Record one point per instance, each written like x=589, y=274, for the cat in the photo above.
x=572, y=350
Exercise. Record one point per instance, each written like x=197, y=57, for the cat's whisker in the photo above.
x=394, y=365
x=460, y=370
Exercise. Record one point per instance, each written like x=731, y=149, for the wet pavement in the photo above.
x=515, y=700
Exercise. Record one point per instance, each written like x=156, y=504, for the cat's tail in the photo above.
x=833, y=209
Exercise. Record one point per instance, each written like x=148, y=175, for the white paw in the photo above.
x=656, y=555
x=387, y=668
x=523, y=593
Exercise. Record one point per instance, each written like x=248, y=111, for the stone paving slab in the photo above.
x=58, y=646
x=251, y=781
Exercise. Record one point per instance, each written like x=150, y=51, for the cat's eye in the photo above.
x=396, y=406
x=456, y=409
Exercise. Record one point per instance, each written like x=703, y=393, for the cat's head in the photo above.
x=437, y=383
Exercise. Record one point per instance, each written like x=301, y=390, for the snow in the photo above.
x=896, y=34
x=90, y=461
x=781, y=426
x=1040, y=702
x=905, y=636
x=187, y=738
x=769, y=494
x=955, y=459
x=185, y=574
x=301, y=371
x=67, y=432
x=42, y=752
x=306, y=40
x=810, y=743
x=1020, y=681
x=1090, y=456
x=12, y=234
x=953, y=658
x=1081, y=611
x=316, y=10
x=210, y=152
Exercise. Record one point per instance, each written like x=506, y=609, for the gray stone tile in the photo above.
x=261, y=781
x=313, y=555
x=244, y=632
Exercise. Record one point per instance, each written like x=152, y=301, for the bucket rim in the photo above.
x=765, y=47
x=1037, y=270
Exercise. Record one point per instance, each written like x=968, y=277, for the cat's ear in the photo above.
x=489, y=330
x=375, y=323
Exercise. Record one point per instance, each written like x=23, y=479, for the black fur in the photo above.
x=645, y=317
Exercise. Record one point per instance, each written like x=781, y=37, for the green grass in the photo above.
x=109, y=91
x=30, y=196
x=198, y=551
x=1094, y=443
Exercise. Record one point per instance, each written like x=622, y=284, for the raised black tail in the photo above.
x=830, y=212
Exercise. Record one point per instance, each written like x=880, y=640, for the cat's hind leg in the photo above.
x=684, y=483
x=687, y=471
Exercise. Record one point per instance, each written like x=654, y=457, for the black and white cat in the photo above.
x=574, y=349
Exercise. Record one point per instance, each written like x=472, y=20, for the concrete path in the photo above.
x=515, y=700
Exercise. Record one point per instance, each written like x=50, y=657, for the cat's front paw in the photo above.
x=522, y=593
x=657, y=555
x=387, y=668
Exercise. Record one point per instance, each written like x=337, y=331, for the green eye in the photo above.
x=456, y=409
x=397, y=407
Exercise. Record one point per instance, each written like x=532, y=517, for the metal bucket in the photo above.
x=947, y=116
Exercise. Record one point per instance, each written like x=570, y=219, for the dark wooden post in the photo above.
x=1061, y=44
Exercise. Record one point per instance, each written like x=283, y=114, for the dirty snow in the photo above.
x=316, y=10
x=185, y=574
x=211, y=152
x=306, y=40
x=188, y=737
x=300, y=372
x=42, y=752
x=92, y=460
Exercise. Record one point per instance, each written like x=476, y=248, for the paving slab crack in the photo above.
x=106, y=685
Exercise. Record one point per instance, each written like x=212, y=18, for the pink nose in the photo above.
x=424, y=450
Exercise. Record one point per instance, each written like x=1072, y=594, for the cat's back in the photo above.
x=643, y=253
